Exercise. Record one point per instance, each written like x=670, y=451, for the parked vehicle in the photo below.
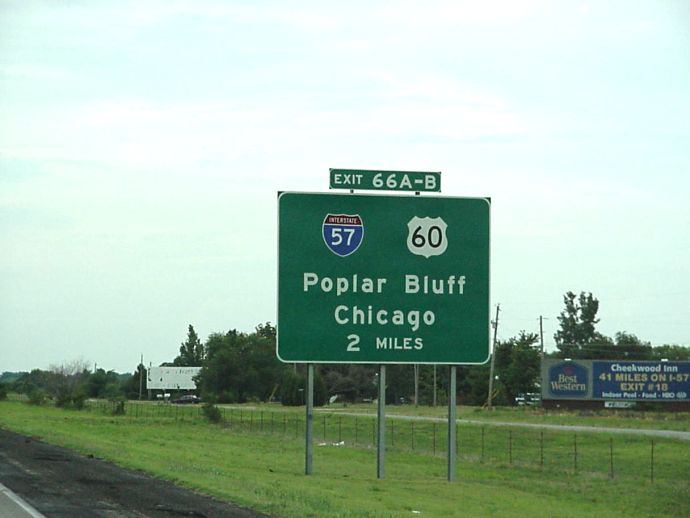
x=187, y=399
x=528, y=399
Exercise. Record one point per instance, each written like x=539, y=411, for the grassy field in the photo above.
x=250, y=463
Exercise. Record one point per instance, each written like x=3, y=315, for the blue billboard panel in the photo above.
x=641, y=381
x=568, y=380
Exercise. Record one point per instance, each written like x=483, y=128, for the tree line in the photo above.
x=238, y=367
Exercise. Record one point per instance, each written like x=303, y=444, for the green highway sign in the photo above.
x=383, y=279
x=372, y=180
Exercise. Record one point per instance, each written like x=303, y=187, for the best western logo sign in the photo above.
x=568, y=379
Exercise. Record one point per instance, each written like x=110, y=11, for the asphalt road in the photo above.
x=60, y=483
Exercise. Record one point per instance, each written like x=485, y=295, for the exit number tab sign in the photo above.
x=374, y=180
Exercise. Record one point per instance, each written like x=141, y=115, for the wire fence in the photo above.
x=597, y=454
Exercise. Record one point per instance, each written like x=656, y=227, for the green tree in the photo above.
x=267, y=331
x=192, y=351
x=671, y=352
x=98, y=381
x=351, y=382
x=476, y=385
x=293, y=389
x=68, y=383
x=130, y=388
x=29, y=382
x=577, y=322
x=630, y=347
x=240, y=367
x=518, y=365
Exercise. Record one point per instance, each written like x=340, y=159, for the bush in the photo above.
x=75, y=401
x=78, y=401
x=212, y=413
x=293, y=389
x=3, y=392
x=224, y=396
x=119, y=407
x=37, y=397
x=63, y=400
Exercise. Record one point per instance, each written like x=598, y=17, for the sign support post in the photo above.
x=452, y=427
x=309, y=435
x=381, y=417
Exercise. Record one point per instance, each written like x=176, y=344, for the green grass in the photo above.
x=263, y=468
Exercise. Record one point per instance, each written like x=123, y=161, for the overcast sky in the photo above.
x=142, y=145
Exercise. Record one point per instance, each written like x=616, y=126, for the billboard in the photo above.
x=616, y=380
x=177, y=378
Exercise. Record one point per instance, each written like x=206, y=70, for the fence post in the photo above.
x=355, y=430
x=324, y=427
x=611, y=454
x=412, y=435
x=510, y=447
x=340, y=428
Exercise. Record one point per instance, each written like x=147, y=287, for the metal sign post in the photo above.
x=309, y=435
x=452, y=425
x=381, y=417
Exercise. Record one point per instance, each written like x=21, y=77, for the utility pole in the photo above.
x=541, y=335
x=141, y=375
x=493, y=358
x=148, y=394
